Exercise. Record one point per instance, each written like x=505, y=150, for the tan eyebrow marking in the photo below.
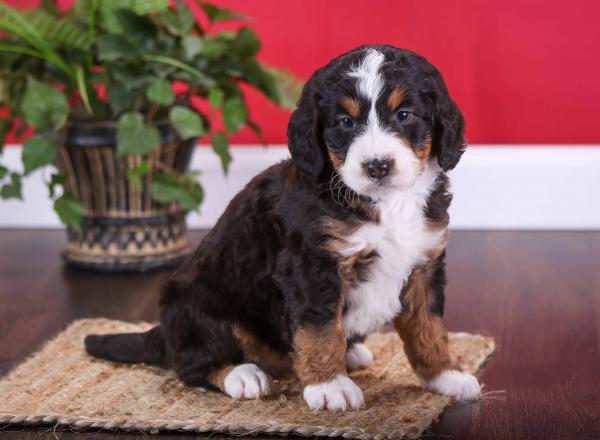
x=351, y=106
x=395, y=98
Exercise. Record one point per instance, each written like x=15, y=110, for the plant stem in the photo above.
x=167, y=169
x=152, y=112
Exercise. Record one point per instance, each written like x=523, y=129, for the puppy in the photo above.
x=319, y=251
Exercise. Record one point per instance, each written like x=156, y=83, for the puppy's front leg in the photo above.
x=425, y=338
x=320, y=363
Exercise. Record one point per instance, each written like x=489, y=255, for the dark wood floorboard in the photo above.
x=536, y=293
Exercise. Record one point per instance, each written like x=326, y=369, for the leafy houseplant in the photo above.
x=111, y=89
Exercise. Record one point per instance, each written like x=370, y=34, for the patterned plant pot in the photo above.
x=123, y=229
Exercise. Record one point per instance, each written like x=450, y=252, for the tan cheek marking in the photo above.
x=335, y=161
x=424, y=334
x=320, y=352
x=424, y=153
x=351, y=106
x=395, y=98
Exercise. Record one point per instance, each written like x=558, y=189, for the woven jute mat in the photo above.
x=62, y=385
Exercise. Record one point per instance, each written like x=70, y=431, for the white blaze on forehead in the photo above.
x=366, y=72
x=369, y=81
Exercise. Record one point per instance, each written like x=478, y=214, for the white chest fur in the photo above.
x=402, y=241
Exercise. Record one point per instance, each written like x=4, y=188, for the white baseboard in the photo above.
x=495, y=187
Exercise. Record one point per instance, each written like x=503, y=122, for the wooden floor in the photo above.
x=536, y=293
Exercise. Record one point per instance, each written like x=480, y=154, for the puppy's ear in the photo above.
x=304, y=134
x=448, y=128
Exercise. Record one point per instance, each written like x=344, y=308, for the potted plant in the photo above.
x=111, y=90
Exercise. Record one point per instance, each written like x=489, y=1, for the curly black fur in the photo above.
x=263, y=266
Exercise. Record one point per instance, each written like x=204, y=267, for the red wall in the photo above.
x=523, y=71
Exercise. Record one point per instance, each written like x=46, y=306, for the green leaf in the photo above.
x=136, y=173
x=185, y=190
x=108, y=20
x=186, y=18
x=15, y=23
x=37, y=152
x=4, y=94
x=13, y=48
x=115, y=47
x=257, y=130
x=220, y=14
x=5, y=126
x=109, y=16
x=50, y=7
x=179, y=21
x=170, y=21
x=120, y=97
x=12, y=190
x=130, y=76
x=187, y=122
x=145, y=7
x=213, y=47
x=55, y=180
x=246, y=43
x=82, y=86
x=133, y=137
x=44, y=107
x=220, y=144
x=253, y=72
x=216, y=45
x=215, y=97
x=165, y=188
x=191, y=199
x=62, y=33
x=203, y=79
x=192, y=45
x=287, y=86
x=135, y=26
x=235, y=114
x=70, y=211
x=161, y=92
x=3, y=172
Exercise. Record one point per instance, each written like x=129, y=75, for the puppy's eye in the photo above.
x=403, y=116
x=346, y=122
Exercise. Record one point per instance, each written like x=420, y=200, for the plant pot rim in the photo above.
x=74, y=121
x=102, y=133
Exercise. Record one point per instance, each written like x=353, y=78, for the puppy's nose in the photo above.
x=377, y=168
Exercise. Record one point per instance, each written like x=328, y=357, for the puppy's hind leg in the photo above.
x=244, y=381
x=205, y=352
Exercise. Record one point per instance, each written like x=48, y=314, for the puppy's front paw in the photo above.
x=338, y=394
x=247, y=381
x=358, y=357
x=463, y=386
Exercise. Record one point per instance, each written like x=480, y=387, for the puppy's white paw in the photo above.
x=358, y=356
x=338, y=394
x=463, y=386
x=247, y=381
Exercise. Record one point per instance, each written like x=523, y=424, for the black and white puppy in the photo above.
x=321, y=250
